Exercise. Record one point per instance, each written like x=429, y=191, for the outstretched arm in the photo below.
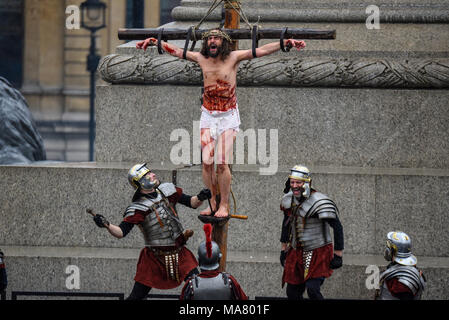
x=116, y=231
x=269, y=48
x=195, y=201
x=170, y=48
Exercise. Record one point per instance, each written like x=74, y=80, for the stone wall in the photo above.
x=338, y=126
x=48, y=228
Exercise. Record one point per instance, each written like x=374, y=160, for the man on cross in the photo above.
x=220, y=119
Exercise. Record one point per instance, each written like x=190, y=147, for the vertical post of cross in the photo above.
x=220, y=232
x=232, y=18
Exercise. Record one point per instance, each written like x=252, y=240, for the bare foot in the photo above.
x=222, y=212
x=208, y=210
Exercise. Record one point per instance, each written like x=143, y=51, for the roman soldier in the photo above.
x=165, y=261
x=308, y=254
x=402, y=280
x=211, y=284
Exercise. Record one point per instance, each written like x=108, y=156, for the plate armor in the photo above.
x=407, y=275
x=216, y=288
x=161, y=226
x=308, y=230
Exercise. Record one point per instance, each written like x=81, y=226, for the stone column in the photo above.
x=152, y=13
x=116, y=18
x=44, y=55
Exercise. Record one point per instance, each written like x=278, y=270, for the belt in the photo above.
x=165, y=251
x=169, y=257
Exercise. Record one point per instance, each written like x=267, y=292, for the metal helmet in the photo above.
x=398, y=249
x=302, y=173
x=209, y=253
x=211, y=260
x=136, y=177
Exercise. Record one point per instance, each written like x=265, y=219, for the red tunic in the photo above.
x=395, y=287
x=238, y=291
x=150, y=271
x=319, y=265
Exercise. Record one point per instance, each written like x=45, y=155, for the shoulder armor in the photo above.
x=215, y=288
x=167, y=188
x=141, y=204
x=321, y=206
x=286, y=201
x=407, y=275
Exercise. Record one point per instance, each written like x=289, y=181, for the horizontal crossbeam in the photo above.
x=235, y=34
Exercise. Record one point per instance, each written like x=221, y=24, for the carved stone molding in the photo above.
x=141, y=69
x=317, y=72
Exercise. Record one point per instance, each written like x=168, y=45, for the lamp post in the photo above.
x=93, y=18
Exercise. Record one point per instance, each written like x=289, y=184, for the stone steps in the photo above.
x=111, y=270
x=46, y=228
x=372, y=202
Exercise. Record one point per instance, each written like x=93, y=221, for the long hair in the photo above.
x=225, y=49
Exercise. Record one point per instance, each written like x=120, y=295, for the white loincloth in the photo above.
x=219, y=121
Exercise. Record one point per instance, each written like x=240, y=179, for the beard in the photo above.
x=301, y=191
x=217, y=53
x=149, y=185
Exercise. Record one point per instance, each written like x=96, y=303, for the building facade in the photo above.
x=44, y=56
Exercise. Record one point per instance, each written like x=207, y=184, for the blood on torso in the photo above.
x=219, y=96
x=220, y=78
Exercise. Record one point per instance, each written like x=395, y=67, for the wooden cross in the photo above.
x=232, y=28
x=235, y=34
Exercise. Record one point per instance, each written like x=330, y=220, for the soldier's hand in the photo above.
x=336, y=262
x=101, y=221
x=283, y=257
x=204, y=195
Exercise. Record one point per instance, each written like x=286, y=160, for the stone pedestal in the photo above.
x=366, y=112
x=47, y=229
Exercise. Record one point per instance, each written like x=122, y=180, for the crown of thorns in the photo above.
x=217, y=33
